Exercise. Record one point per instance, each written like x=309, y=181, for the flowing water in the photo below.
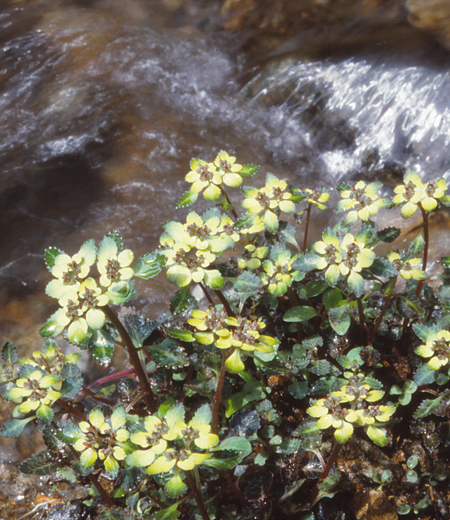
x=102, y=105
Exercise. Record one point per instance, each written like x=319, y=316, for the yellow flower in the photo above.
x=330, y=250
x=432, y=192
x=410, y=193
x=363, y=200
x=407, y=268
x=355, y=257
x=113, y=265
x=211, y=325
x=317, y=197
x=438, y=348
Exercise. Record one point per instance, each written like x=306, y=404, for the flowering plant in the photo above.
x=273, y=354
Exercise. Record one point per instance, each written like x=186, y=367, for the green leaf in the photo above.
x=445, y=261
x=377, y=435
x=14, y=427
x=169, y=513
x=388, y=235
x=332, y=297
x=50, y=256
x=9, y=353
x=287, y=232
x=314, y=288
x=223, y=459
x=121, y=292
x=138, y=327
x=51, y=328
x=417, y=245
x=187, y=199
x=182, y=335
x=115, y=235
x=246, y=283
x=42, y=463
x=299, y=313
x=181, y=300
x=149, y=265
x=306, y=262
x=342, y=186
x=72, y=380
x=425, y=331
x=382, y=267
x=428, y=406
x=340, y=319
x=299, y=389
x=248, y=170
x=368, y=232
x=424, y=376
x=101, y=346
x=239, y=444
x=169, y=354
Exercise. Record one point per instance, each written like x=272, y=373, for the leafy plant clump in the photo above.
x=284, y=374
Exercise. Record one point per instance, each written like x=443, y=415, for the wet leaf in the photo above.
x=388, y=235
x=138, y=327
x=9, y=353
x=42, y=463
x=115, y=235
x=182, y=335
x=299, y=313
x=236, y=444
x=248, y=170
x=187, y=199
x=417, y=245
x=72, y=380
x=181, y=300
x=169, y=354
x=427, y=407
x=50, y=256
x=14, y=427
x=149, y=265
x=245, y=423
x=306, y=262
x=101, y=346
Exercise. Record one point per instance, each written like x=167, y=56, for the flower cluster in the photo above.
x=101, y=439
x=413, y=193
x=190, y=248
x=278, y=272
x=437, y=347
x=237, y=335
x=272, y=199
x=186, y=450
x=79, y=296
x=345, y=257
x=351, y=406
x=362, y=200
x=407, y=267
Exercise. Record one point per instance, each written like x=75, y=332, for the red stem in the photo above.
x=217, y=397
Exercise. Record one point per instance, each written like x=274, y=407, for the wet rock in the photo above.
x=432, y=16
x=373, y=505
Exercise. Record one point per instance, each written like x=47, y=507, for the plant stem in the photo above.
x=362, y=329
x=233, y=211
x=426, y=238
x=308, y=214
x=206, y=293
x=325, y=472
x=134, y=358
x=379, y=319
x=217, y=397
x=197, y=493
x=71, y=409
x=224, y=302
x=106, y=379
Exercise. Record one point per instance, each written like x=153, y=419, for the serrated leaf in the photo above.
x=72, y=380
x=42, y=463
x=51, y=440
x=187, y=199
x=287, y=232
x=306, y=262
x=169, y=513
x=101, y=346
x=182, y=335
x=9, y=353
x=428, y=406
x=368, y=232
x=388, y=235
x=382, y=267
x=14, y=427
x=248, y=170
x=149, y=265
x=245, y=423
x=50, y=256
x=298, y=389
x=181, y=300
x=115, y=235
x=424, y=376
x=320, y=367
x=340, y=319
x=246, y=282
x=138, y=327
x=299, y=313
x=342, y=186
x=417, y=245
x=425, y=331
x=239, y=444
x=169, y=354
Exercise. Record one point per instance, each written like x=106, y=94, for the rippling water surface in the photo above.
x=101, y=109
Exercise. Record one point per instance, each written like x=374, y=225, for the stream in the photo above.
x=102, y=105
